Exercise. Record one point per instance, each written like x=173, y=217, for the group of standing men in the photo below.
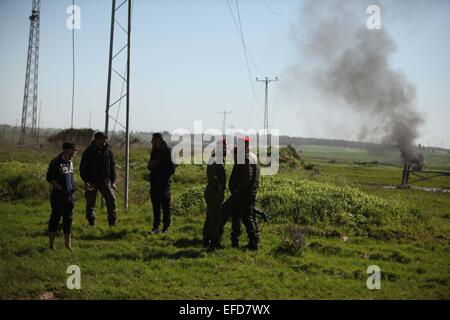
x=243, y=186
x=98, y=172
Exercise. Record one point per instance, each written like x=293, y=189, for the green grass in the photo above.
x=434, y=158
x=404, y=232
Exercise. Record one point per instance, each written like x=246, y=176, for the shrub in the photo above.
x=190, y=201
x=308, y=202
x=22, y=181
x=293, y=242
x=79, y=136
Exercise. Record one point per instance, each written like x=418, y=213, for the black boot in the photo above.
x=206, y=243
x=253, y=244
x=235, y=243
x=216, y=244
x=91, y=219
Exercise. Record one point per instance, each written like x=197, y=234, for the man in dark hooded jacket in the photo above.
x=98, y=171
x=214, y=196
x=161, y=169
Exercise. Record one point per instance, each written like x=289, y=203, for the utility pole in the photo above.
x=126, y=80
x=30, y=96
x=267, y=81
x=224, y=121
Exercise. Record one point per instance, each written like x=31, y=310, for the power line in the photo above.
x=243, y=39
x=294, y=32
x=306, y=44
x=73, y=62
x=246, y=53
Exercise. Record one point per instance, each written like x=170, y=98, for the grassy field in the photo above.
x=339, y=210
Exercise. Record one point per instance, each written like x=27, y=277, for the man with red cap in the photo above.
x=214, y=195
x=243, y=185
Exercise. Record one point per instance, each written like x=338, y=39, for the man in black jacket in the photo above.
x=98, y=171
x=161, y=169
x=214, y=196
x=243, y=185
x=62, y=198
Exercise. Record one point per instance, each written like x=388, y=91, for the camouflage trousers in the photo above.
x=240, y=211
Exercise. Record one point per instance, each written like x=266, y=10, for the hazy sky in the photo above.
x=188, y=64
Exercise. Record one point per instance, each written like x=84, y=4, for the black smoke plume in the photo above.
x=351, y=64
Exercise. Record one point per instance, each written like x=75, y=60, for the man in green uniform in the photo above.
x=214, y=196
x=243, y=185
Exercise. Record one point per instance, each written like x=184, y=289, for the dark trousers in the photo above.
x=160, y=196
x=110, y=199
x=61, y=207
x=211, y=227
x=240, y=210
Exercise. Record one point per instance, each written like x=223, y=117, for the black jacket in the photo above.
x=61, y=171
x=160, y=174
x=98, y=165
x=217, y=179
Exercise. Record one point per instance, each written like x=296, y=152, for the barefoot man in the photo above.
x=62, y=198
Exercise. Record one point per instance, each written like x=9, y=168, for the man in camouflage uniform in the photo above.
x=62, y=198
x=214, y=196
x=243, y=185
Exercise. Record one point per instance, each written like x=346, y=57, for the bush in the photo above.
x=308, y=202
x=27, y=181
x=190, y=201
x=293, y=242
x=79, y=136
x=22, y=181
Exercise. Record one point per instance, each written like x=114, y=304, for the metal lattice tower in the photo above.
x=30, y=97
x=111, y=114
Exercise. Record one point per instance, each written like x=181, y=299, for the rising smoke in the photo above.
x=350, y=63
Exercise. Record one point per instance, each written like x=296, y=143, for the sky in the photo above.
x=188, y=64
